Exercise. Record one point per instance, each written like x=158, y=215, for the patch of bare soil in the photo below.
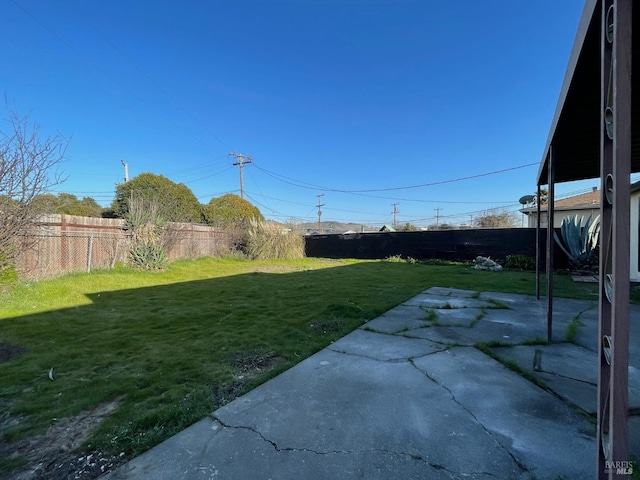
x=253, y=363
x=9, y=351
x=53, y=454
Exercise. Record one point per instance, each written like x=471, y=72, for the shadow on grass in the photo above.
x=173, y=353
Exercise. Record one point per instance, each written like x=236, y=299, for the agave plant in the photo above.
x=580, y=240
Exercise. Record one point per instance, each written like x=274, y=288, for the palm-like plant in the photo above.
x=580, y=240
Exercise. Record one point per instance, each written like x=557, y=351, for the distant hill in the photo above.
x=337, y=227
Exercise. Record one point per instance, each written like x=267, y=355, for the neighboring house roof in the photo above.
x=583, y=201
x=387, y=228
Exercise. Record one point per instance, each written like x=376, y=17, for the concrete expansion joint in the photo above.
x=388, y=360
x=522, y=467
x=373, y=330
x=568, y=377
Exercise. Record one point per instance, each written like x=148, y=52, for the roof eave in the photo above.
x=581, y=34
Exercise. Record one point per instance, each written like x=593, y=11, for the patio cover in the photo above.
x=575, y=129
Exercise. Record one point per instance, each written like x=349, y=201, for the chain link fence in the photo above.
x=61, y=244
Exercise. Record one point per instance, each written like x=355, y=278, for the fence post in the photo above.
x=90, y=252
x=63, y=243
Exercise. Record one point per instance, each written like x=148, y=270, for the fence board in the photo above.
x=59, y=244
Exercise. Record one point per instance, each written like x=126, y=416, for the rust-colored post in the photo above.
x=615, y=168
x=551, y=172
x=538, y=244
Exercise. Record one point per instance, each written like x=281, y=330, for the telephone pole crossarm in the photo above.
x=241, y=161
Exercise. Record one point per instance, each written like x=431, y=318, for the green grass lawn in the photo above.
x=168, y=348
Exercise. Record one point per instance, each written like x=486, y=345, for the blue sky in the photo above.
x=353, y=99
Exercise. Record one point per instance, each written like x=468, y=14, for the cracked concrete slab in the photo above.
x=364, y=405
x=531, y=424
x=569, y=370
x=479, y=333
x=449, y=292
x=462, y=317
x=400, y=318
x=446, y=302
x=383, y=347
x=176, y=460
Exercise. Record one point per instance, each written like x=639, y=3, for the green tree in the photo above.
x=68, y=204
x=87, y=207
x=229, y=210
x=45, y=203
x=177, y=201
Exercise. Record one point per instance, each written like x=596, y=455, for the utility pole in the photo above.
x=437, y=217
x=319, y=210
x=395, y=213
x=242, y=160
x=126, y=170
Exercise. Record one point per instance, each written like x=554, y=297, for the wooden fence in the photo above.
x=60, y=244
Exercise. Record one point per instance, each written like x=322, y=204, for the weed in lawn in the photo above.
x=536, y=341
x=572, y=329
x=431, y=315
x=12, y=462
x=478, y=317
x=497, y=304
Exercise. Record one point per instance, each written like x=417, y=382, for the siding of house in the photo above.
x=583, y=205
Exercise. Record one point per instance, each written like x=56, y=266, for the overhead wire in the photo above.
x=302, y=184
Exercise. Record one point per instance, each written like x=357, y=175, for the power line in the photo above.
x=301, y=184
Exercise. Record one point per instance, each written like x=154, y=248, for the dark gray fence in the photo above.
x=455, y=245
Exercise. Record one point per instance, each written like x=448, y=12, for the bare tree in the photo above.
x=497, y=219
x=29, y=166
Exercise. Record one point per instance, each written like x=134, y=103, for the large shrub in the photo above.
x=175, y=201
x=230, y=210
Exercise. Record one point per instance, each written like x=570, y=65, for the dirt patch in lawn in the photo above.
x=9, y=351
x=53, y=454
